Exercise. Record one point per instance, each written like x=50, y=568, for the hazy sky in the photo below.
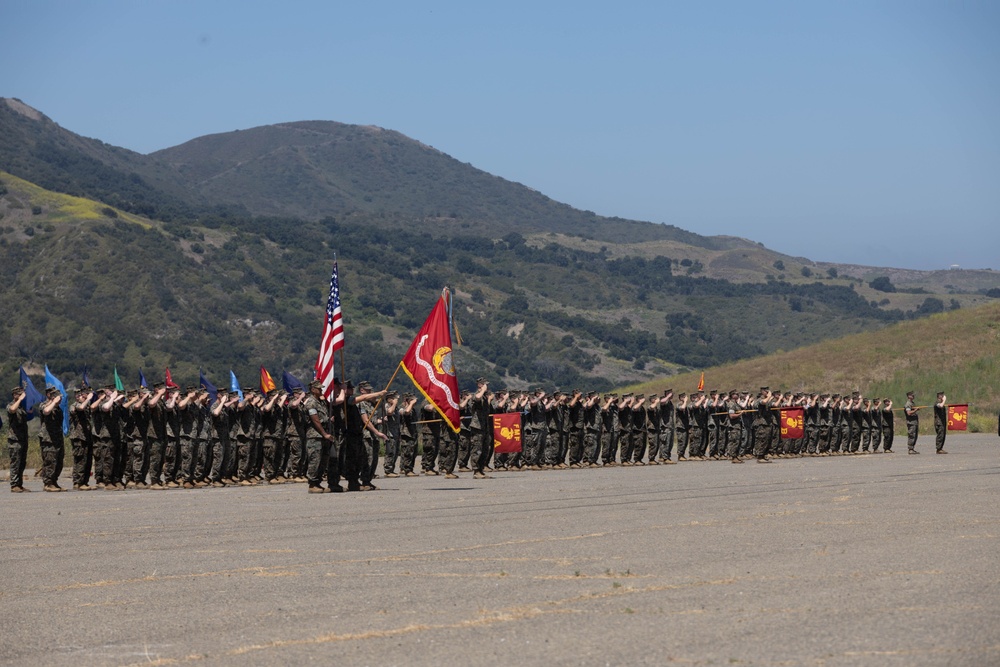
x=865, y=132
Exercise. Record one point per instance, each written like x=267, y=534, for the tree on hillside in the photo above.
x=882, y=284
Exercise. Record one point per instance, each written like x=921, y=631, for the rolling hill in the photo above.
x=216, y=254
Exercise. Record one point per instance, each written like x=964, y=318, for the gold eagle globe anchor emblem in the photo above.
x=442, y=361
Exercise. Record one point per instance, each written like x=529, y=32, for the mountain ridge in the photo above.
x=168, y=260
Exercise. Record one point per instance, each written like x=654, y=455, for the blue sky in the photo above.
x=857, y=132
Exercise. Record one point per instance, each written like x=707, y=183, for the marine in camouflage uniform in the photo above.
x=576, y=448
x=172, y=437
x=270, y=424
x=609, y=429
x=640, y=430
x=104, y=454
x=876, y=419
x=17, y=439
x=391, y=427
x=713, y=406
x=81, y=438
x=667, y=418
x=733, y=425
x=221, y=445
x=407, y=436
x=762, y=424
x=317, y=438
x=50, y=437
x=481, y=429
x=464, y=435
x=591, y=412
x=681, y=425
x=430, y=438
x=626, y=439
x=888, y=425
x=298, y=459
x=910, y=410
x=187, y=410
x=940, y=422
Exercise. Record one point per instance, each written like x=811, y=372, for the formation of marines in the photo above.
x=166, y=437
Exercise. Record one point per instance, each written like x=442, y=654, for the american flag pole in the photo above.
x=333, y=335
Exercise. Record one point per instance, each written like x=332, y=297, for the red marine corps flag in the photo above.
x=792, y=423
x=958, y=417
x=429, y=364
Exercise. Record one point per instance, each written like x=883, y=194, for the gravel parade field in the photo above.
x=883, y=559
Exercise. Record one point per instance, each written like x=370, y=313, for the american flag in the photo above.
x=333, y=335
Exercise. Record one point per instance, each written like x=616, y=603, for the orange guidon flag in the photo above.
x=266, y=381
x=507, y=433
x=701, y=382
x=793, y=423
x=958, y=417
x=429, y=364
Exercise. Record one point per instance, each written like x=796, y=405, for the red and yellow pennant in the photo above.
x=958, y=417
x=793, y=422
x=266, y=381
x=507, y=433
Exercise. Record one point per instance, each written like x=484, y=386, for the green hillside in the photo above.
x=102, y=288
x=115, y=258
x=956, y=352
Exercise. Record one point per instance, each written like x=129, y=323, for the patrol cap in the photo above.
x=392, y=394
x=407, y=396
x=765, y=389
x=910, y=394
x=481, y=380
x=157, y=385
x=192, y=387
x=364, y=384
x=316, y=384
x=349, y=384
x=681, y=395
x=51, y=390
x=591, y=394
x=714, y=392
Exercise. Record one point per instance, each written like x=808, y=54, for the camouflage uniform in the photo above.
x=17, y=443
x=81, y=440
x=317, y=447
x=912, y=424
x=50, y=437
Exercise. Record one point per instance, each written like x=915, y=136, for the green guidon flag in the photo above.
x=119, y=385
